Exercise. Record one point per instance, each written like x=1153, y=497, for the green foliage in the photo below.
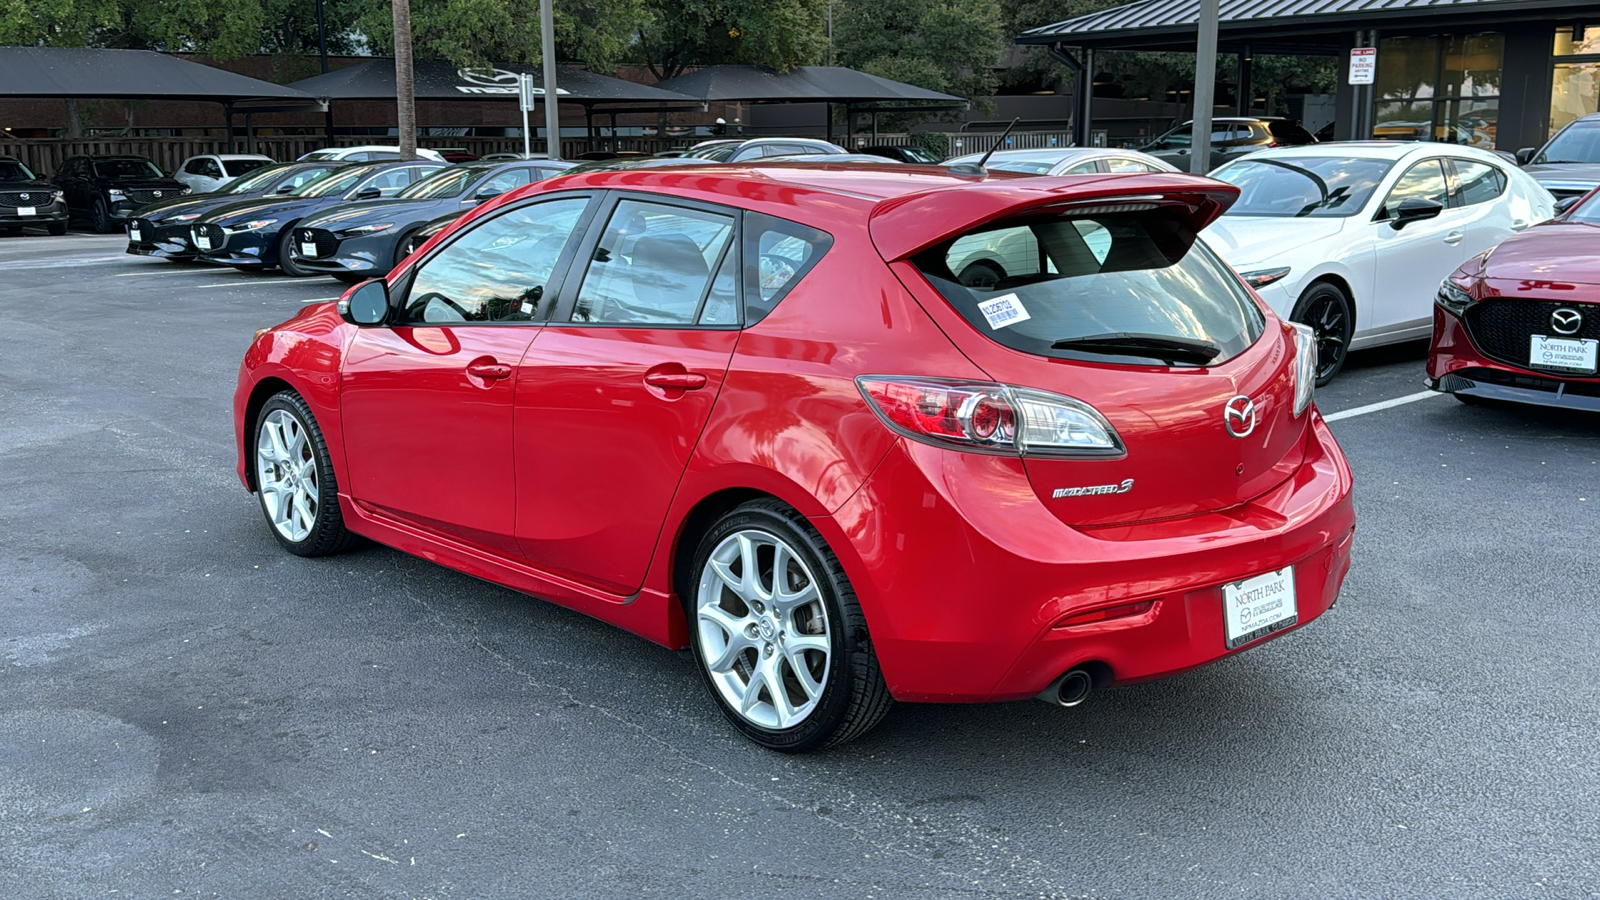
x=779, y=34
x=936, y=141
x=482, y=32
x=951, y=46
x=222, y=30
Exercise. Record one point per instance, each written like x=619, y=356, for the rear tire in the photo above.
x=779, y=637
x=57, y=229
x=1326, y=310
x=295, y=482
x=286, y=263
x=400, y=253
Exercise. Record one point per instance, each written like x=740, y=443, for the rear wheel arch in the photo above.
x=691, y=529
x=1339, y=282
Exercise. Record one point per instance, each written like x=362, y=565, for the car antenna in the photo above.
x=977, y=167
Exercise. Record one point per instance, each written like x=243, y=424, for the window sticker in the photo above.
x=1003, y=311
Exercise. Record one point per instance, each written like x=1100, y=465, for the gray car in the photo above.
x=1569, y=165
x=1231, y=138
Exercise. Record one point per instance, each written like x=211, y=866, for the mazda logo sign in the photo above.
x=158, y=193
x=27, y=197
x=1239, y=415
x=1566, y=321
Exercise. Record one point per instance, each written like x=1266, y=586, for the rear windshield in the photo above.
x=237, y=167
x=126, y=168
x=1036, y=284
x=1290, y=133
x=1299, y=186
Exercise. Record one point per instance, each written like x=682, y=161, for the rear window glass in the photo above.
x=1038, y=284
x=777, y=254
x=1290, y=133
x=236, y=167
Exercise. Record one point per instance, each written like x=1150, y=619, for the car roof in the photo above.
x=1048, y=154
x=1390, y=150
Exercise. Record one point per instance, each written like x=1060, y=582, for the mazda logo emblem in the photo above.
x=488, y=77
x=27, y=196
x=1566, y=321
x=1239, y=415
x=158, y=193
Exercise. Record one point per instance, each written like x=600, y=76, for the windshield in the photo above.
x=1586, y=212
x=451, y=182
x=12, y=170
x=236, y=167
x=1037, y=284
x=330, y=153
x=126, y=168
x=1577, y=143
x=920, y=154
x=1026, y=167
x=718, y=153
x=1301, y=186
x=334, y=182
x=258, y=180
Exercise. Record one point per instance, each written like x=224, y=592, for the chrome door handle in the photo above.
x=1453, y=237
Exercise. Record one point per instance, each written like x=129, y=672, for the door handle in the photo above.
x=1453, y=237
x=1519, y=224
x=489, y=371
x=681, y=381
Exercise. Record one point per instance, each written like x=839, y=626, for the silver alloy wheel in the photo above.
x=764, y=630
x=286, y=472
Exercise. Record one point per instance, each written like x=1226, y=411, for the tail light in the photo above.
x=1305, y=366
x=987, y=417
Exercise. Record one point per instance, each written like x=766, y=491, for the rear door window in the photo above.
x=1039, y=283
x=1476, y=182
x=654, y=265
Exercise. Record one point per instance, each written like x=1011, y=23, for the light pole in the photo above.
x=552, y=116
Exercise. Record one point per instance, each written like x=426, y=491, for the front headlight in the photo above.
x=1260, y=278
x=360, y=230
x=116, y=194
x=1453, y=297
x=187, y=190
x=60, y=196
x=257, y=225
x=1305, y=366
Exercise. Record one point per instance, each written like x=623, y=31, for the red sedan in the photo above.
x=1522, y=322
x=757, y=412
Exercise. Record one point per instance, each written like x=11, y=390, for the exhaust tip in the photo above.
x=1070, y=689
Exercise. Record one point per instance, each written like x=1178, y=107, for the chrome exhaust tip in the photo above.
x=1069, y=690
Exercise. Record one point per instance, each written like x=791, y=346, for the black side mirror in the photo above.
x=487, y=195
x=368, y=193
x=1563, y=205
x=366, y=304
x=284, y=189
x=1415, y=209
x=1525, y=155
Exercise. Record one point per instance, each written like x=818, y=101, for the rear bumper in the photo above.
x=965, y=580
x=1457, y=366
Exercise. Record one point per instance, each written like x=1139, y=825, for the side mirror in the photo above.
x=487, y=195
x=366, y=304
x=1563, y=205
x=284, y=189
x=1525, y=155
x=369, y=193
x=1415, y=209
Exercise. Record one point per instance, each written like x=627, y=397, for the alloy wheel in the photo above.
x=286, y=471
x=764, y=633
x=1327, y=313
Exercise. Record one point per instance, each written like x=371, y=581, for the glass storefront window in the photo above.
x=1403, y=121
x=1574, y=93
x=1579, y=41
x=1471, y=66
x=1407, y=67
x=1470, y=122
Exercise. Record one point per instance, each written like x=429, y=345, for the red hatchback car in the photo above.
x=1522, y=322
x=756, y=412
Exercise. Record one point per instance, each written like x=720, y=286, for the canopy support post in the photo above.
x=249, y=132
x=827, y=115
x=227, y=117
x=588, y=126
x=1242, y=79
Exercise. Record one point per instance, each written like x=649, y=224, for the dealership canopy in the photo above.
x=94, y=74
x=439, y=80
x=804, y=84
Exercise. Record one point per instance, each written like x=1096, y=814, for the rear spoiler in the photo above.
x=906, y=225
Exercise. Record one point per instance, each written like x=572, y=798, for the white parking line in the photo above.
x=63, y=263
x=1379, y=407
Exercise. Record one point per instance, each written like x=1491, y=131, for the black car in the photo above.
x=915, y=155
x=162, y=229
x=255, y=234
x=1569, y=164
x=364, y=240
x=1231, y=137
x=27, y=199
x=105, y=190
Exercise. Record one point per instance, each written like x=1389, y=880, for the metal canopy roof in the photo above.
x=1156, y=18
x=440, y=80
x=85, y=73
x=804, y=84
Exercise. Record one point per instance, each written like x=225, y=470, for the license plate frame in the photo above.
x=308, y=250
x=1557, y=352
x=1255, y=607
x=135, y=235
x=27, y=211
x=201, y=242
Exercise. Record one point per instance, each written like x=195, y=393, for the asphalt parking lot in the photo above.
x=186, y=710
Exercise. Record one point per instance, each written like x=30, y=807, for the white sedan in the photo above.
x=213, y=171
x=1353, y=239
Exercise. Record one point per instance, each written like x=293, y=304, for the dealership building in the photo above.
x=1501, y=74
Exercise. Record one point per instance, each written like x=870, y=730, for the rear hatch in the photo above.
x=1111, y=300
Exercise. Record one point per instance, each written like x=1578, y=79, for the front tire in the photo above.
x=286, y=262
x=295, y=482
x=101, y=217
x=781, y=642
x=57, y=229
x=1326, y=310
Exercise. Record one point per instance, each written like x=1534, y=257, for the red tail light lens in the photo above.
x=989, y=417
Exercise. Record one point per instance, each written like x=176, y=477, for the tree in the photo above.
x=405, y=84
x=951, y=46
x=779, y=34
x=484, y=32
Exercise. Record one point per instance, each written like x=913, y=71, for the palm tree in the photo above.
x=405, y=85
